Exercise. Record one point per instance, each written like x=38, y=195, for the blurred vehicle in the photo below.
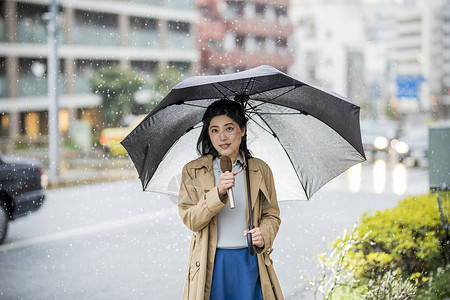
x=110, y=137
x=378, y=135
x=22, y=183
x=412, y=146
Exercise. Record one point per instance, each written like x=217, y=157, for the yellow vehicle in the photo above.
x=110, y=137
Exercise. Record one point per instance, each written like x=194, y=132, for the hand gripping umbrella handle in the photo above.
x=251, y=248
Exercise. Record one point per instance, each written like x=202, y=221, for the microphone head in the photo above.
x=226, y=164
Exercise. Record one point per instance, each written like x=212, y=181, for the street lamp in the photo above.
x=53, y=109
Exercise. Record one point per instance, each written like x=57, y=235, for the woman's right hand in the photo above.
x=226, y=181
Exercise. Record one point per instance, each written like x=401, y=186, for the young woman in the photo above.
x=220, y=265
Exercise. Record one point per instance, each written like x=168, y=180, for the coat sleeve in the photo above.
x=196, y=208
x=270, y=216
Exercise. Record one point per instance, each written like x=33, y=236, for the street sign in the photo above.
x=409, y=86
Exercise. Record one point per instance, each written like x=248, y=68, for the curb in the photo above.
x=74, y=178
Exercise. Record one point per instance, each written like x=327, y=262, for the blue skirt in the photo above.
x=235, y=276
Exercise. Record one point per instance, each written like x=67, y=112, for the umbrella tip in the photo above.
x=241, y=98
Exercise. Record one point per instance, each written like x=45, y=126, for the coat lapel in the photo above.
x=255, y=183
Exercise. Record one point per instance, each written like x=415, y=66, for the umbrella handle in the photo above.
x=251, y=248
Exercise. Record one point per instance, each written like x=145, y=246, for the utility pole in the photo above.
x=52, y=77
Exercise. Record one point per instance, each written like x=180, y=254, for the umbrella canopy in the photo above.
x=317, y=131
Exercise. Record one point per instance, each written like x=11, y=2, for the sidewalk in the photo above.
x=91, y=169
x=82, y=168
x=85, y=176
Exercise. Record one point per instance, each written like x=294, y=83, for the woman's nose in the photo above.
x=222, y=135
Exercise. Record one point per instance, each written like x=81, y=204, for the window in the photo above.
x=96, y=29
x=144, y=32
x=235, y=10
x=179, y=35
x=240, y=42
x=31, y=28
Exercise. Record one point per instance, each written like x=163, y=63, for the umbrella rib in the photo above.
x=282, y=146
x=218, y=83
x=193, y=105
x=265, y=129
x=252, y=80
x=282, y=114
x=270, y=100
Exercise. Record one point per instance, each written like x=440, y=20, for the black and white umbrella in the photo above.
x=306, y=134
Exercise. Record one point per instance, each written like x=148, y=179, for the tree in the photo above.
x=163, y=81
x=116, y=86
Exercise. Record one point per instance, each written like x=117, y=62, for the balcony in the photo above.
x=284, y=3
x=144, y=38
x=413, y=28
x=241, y=59
x=412, y=42
x=211, y=30
x=258, y=27
x=92, y=35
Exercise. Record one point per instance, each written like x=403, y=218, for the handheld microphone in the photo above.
x=227, y=166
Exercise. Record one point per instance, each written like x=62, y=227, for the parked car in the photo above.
x=22, y=183
x=378, y=135
x=110, y=137
x=412, y=146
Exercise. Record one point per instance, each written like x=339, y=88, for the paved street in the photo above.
x=113, y=241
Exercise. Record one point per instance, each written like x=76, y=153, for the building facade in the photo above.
x=387, y=54
x=141, y=34
x=329, y=41
x=423, y=58
x=237, y=35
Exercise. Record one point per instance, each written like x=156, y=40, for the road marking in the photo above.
x=89, y=229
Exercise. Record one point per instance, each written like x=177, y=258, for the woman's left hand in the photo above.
x=257, y=237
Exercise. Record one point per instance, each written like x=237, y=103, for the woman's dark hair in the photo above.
x=229, y=108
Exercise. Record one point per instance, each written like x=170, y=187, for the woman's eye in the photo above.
x=230, y=128
x=213, y=130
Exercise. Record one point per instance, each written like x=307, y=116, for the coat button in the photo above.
x=197, y=264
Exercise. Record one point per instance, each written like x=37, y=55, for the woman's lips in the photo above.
x=224, y=146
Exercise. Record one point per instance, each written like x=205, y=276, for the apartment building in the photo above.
x=237, y=35
x=142, y=34
x=330, y=40
x=443, y=102
x=423, y=58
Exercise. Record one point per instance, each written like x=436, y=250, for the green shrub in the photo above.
x=394, y=254
x=405, y=239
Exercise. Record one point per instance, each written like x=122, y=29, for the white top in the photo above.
x=231, y=223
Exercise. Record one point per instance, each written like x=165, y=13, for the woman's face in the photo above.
x=226, y=136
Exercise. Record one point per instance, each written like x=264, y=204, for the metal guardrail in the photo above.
x=443, y=199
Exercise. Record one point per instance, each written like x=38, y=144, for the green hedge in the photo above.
x=406, y=240
x=399, y=253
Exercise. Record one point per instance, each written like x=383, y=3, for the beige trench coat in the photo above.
x=198, y=206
